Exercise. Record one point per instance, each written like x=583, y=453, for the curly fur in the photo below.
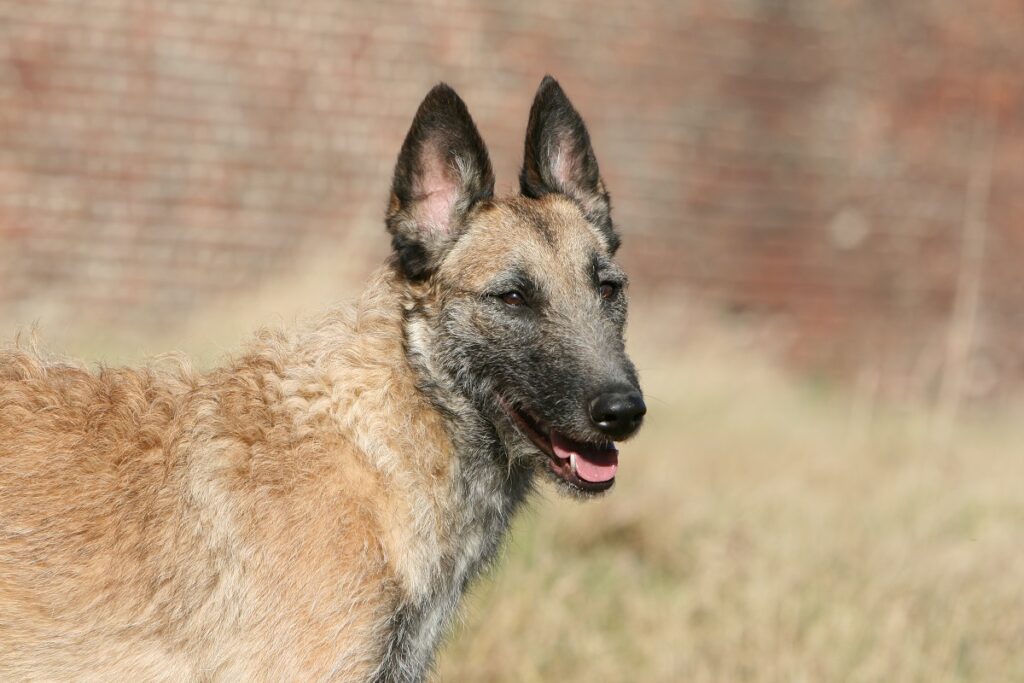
x=314, y=509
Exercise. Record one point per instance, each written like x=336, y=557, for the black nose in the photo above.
x=618, y=413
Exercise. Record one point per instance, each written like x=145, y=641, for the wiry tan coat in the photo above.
x=145, y=511
x=313, y=510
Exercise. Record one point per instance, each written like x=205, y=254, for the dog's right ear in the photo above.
x=443, y=170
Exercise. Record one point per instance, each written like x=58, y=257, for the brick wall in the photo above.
x=805, y=162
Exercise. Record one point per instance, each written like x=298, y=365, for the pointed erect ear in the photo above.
x=443, y=170
x=559, y=158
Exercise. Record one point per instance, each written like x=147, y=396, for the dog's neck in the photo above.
x=491, y=484
x=383, y=380
x=377, y=367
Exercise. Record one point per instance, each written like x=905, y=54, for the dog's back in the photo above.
x=87, y=516
x=162, y=525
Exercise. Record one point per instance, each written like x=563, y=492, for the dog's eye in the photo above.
x=513, y=298
x=609, y=290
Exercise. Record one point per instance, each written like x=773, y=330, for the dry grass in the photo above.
x=763, y=530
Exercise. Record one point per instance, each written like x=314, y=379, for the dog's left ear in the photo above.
x=442, y=171
x=559, y=158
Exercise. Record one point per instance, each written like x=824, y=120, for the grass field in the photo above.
x=763, y=528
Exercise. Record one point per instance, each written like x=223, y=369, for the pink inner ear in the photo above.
x=563, y=165
x=566, y=171
x=436, y=188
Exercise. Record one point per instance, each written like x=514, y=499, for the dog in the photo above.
x=314, y=509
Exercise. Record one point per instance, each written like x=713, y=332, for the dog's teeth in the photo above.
x=572, y=462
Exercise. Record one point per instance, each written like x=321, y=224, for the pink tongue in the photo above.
x=593, y=463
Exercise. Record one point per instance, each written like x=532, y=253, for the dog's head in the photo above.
x=517, y=301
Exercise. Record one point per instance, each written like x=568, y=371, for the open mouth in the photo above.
x=586, y=466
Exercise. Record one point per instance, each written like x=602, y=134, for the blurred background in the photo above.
x=823, y=219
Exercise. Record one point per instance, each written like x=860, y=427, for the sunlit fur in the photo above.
x=262, y=521
x=313, y=509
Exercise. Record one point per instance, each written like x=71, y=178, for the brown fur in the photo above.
x=314, y=509
x=145, y=512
